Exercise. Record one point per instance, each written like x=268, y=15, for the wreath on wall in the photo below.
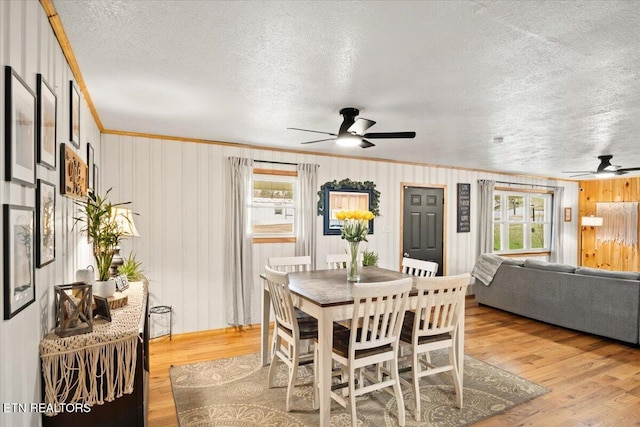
x=347, y=184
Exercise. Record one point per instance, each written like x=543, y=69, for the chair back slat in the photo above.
x=419, y=268
x=338, y=261
x=383, y=305
x=440, y=304
x=290, y=264
x=283, y=308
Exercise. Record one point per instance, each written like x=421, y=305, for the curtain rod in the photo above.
x=275, y=163
x=528, y=185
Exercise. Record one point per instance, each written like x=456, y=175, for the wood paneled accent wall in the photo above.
x=609, y=255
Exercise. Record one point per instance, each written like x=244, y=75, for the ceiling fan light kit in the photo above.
x=348, y=140
x=352, y=131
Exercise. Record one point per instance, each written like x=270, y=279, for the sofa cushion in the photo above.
x=513, y=261
x=627, y=275
x=543, y=265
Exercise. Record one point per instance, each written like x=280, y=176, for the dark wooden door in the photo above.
x=423, y=215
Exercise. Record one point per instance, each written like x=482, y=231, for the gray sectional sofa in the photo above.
x=599, y=302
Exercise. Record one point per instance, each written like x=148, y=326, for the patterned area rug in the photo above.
x=234, y=392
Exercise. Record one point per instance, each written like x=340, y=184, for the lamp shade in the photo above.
x=124, y=219
x=592, y=221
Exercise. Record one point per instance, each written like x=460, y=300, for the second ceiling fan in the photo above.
x=352, y=131
x=605, y=168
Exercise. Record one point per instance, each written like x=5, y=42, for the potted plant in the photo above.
x=132, y=268
x=99, y=223
x=369, y=258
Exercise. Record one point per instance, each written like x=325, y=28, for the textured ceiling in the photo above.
x=558, y=81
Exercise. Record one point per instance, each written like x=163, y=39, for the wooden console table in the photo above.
x=106, y=371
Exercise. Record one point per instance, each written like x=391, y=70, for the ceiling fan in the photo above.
x=351, y=132
x=605, y=168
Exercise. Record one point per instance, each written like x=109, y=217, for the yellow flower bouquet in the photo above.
x=354, y=230
x=356, y=224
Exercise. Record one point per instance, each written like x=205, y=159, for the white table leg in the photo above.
x=264, y=336
x=325, y=344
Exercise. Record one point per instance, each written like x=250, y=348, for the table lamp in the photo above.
x=124, y=219
x=589, y=221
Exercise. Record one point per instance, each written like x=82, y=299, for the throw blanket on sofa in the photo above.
x=486, y=267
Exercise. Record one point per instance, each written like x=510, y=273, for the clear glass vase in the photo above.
x=353, y=269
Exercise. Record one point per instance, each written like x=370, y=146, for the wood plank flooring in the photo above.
x=594, y=381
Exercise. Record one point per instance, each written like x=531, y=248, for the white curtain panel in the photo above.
x=619, y=222
x=485, y=216
x=305, y=214
x=557, y=227
x=238, y=271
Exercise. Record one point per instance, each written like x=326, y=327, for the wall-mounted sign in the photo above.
x=73, y=173
x=464, y=208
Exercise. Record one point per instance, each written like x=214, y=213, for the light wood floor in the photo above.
x=593, y=381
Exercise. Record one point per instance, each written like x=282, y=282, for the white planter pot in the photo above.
x=105, y=288
x=87, y=276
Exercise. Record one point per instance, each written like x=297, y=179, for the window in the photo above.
x=273, y=205
x=521, y=222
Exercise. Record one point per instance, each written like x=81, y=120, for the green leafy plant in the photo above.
x=99, y=223
x=132, y=268
x=369, y=258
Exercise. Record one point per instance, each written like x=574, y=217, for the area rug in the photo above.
x=234, y=392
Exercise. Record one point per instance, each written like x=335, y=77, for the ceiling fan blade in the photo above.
x=628, y=169
x=360, y=126
x=382, y=135
x=582, y=174
x=318, y=140
x=366, y=144
x=314, y=131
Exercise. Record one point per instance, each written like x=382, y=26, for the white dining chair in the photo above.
x=288, y=333
x=371, y=340
x=434, y=326
x=338, y=261
x=419, y=268
x=290, y=264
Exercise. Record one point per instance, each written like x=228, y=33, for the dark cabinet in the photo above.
x=127, y=410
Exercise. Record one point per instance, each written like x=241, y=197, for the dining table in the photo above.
x=328, y=296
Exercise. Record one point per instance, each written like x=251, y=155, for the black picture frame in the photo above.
x=464, y=208
x=74, y=115
x=46, y=118
x=90, y=163
x=45, y=223
x=331, y=226
x=19, y=271
x=102, y=309
x=20, y=130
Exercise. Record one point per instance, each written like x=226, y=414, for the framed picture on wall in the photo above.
x=46, y=123
x=74, y=115
x=20, y=130
x=73, y=173
x=90, y=163
x=19, y=272
x=45, y=223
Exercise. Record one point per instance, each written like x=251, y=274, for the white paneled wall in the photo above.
x=29, y=46
x=178, y=190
